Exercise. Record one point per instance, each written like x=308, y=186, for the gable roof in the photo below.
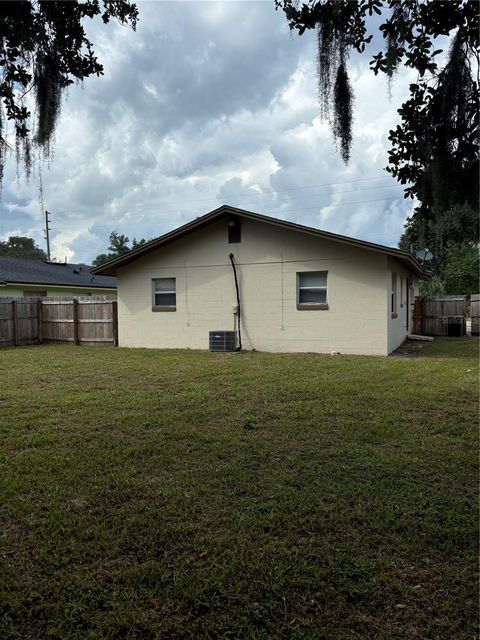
x=110, y=267
x=27, y=271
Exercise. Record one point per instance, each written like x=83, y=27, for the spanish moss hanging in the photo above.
x=342, y=112
x=334, y=89
x=48, y=94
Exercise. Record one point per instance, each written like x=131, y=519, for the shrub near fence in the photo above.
x=91, y=320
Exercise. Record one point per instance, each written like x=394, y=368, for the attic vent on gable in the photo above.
x=234, y=231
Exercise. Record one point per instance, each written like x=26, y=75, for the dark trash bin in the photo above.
x=455, y=327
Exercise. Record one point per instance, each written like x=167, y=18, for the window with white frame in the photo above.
x=401, y=292
x=312, y=290
x=164, y=294
x=394, y=295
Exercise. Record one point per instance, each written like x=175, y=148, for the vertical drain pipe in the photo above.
x=239, y=348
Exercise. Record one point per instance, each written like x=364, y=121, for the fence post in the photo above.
x=418, y=314
x=39, y=322
x=14, y=323
x=475, y=314
x=422, y=311
x=75, y=321
x=115, y=323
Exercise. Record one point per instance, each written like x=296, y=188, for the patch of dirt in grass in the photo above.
x=440, y=348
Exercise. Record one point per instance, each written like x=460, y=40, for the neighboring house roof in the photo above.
x=26, y=271
x=110, y=267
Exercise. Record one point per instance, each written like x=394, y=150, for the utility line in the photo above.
x=260, y=193
x=272, y=213
x=311, y=186
x=136, y=226
x=179, y=209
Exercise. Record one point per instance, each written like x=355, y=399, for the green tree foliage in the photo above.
x=455, y=226
x=21, y=247
x=45, y=48
x=118, y=246
x=435, y=147
x=453, y=238
x=460, y=273
x=138, y=243
x=433, y=287
x=462, y=270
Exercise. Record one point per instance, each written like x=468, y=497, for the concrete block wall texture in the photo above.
x=268, y=260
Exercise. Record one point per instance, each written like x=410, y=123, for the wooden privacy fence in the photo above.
x=440, y=316
x=91, y=320
x=475, y=313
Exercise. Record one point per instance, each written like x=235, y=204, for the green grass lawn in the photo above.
x=181, y=494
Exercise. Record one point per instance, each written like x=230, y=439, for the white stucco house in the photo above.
x=299, y=289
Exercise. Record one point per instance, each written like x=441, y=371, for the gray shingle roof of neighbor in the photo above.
x=26, y=271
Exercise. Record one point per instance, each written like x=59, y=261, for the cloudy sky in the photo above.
x=207, y=103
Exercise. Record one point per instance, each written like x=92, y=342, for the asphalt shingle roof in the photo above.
x=23, y=270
